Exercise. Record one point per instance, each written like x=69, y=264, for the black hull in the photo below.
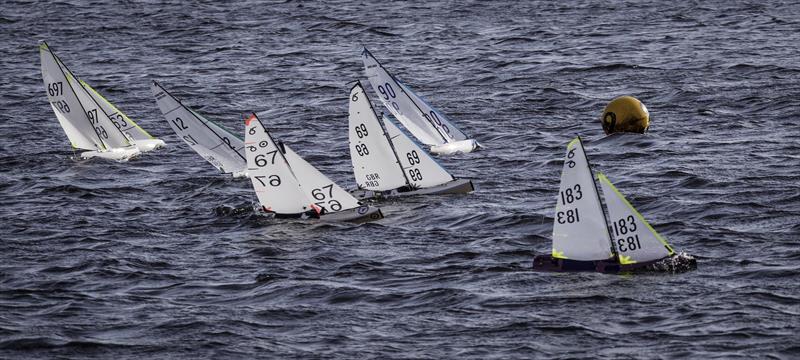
x=670, y=264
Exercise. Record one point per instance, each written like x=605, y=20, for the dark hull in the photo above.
x=458, y=186
x=670, y=264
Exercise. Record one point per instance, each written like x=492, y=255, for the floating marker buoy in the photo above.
x=625, y=114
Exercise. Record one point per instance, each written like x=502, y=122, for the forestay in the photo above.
x=325, y=194
x=120, y=120
x=579, y=227
x=421, y=170
x=425, y=123
x=64, y=101
x=276, y=187
x=635, y=240
x=375, y=164
x=215, y=144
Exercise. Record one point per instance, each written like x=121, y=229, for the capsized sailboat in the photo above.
x=427, y=124
x=90, y=121
x=289, y=187
x=388, y=163
x=220, y=147
x=582, y=240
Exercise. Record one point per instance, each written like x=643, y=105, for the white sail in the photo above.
x=635, y=240
x=62, y=96
x=421, y=169
x=110, y=134
x=215, y=144
x=425, y=123
x=325, y=194
x=375, y=164
x=579, y=226
x=275, y=185
x=118, y=118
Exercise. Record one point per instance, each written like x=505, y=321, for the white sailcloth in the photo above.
x=421, y=170
x=426, y=123
x=635, y=240
x=118, y=118
x=326, y=196
x=105, y=128
x=275, y=185
x=375, y=164
x=215, y=144
x=579, y=226
x=64, y=101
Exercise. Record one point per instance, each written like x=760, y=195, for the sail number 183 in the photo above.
x=568, y=216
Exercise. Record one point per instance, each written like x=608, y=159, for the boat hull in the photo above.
x=149, y=144
x=458, y=186
x=359, y=215
x=118, y=154
x=451, y=148
x=671, y=264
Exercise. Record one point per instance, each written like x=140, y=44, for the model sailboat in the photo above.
x=90, y=121
x=214, y=143
x=427, y=124
x=387, y=162
x=287, y=186
x=582, y=241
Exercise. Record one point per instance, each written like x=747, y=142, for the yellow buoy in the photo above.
x=625, y=114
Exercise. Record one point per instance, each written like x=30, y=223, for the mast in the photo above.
x=444, y=138
x=59, y=63
x=386, y=134
x=602, y=209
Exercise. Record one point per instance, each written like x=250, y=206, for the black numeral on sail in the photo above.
x=568, y=217
x=274, y=180
x=61, y=105
x=433, y=117
x=179, y=124
x=387, y=91
x=361, y=131
x=323, y=193
x=189, y=139
x=413, y=157
x=101, y=131
x=118, y=120
x=625, y=225
x=571, y=194
x=362, y=150
x=415, y=174
x=570, y=155
x=55, y=89
x=629, y=243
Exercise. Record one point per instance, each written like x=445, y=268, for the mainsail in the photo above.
x=635, y=240
x=61, y=92
x=276, y=186
x=579, y=226
x=218, y=146
x=375, y=164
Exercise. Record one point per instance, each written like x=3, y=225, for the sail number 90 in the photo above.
x=568, y=217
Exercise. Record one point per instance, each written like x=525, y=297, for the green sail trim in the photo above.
x=86, y=86
x=625, y=259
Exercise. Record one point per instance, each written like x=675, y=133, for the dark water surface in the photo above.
x=150, y=259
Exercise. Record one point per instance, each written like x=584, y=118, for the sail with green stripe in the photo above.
x=633, y=237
